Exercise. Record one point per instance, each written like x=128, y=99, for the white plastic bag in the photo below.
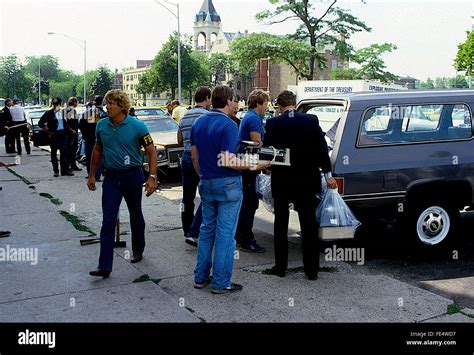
x=264, y=191
x=334, y=212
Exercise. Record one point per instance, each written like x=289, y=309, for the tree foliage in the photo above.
x=102, y=81
x=163, y=72
x=14, y=81
x=372, y=64
x=247, y=50
x=465, y=56
x=320, y=25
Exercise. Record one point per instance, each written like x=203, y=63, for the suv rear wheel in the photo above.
x=433, y=224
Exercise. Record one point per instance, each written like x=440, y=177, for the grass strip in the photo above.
x=22, y=178
x=77, y=223
x=55, y=201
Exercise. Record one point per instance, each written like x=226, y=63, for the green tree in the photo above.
x=458, y=82
x=465, y=56
x=320, y=25
x=219, y=64
x=372, y=64
x=441, y=83
x=13, y=79
x=247, y=50
x=164, y=69
x=90, y=75
x=201, y=74
x=49, y=66
x=428, y=84
x=102, y=81
x=345, y=74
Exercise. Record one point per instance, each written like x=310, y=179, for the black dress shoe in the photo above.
x=99, y=272
x=274, y=271
x=312, y=277
x=136, y=259
x=56, y=174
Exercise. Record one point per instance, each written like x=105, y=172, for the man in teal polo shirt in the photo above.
x=119, y=138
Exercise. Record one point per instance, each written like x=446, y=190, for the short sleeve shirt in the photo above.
x=122, y=143
x=252, y=122
x=212, y=134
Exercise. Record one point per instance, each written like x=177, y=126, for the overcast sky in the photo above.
x=118, y=32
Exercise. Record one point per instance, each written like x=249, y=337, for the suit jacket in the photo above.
x=302, y=134
x=88, y=122
x=49, y=119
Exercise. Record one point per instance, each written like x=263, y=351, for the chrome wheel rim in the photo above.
x=433, y=225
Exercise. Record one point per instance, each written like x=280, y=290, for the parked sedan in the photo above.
x=38, y=137
x=164, y=133
x=144, y=113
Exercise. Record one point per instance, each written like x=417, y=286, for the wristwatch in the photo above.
x=152, y=176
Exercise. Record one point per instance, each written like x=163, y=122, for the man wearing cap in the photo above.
x=19, y=127
x=88, y=124
x=119, y=139
x=55, y=124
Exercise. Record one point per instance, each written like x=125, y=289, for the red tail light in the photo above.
x=340, y=185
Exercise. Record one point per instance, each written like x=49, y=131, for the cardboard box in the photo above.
x=336, y=233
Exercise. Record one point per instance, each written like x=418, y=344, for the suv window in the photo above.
x=415, y=123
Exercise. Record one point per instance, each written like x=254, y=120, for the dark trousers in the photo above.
x=72, y=142
x=18, y=133
x=306, y=208
x=58, y=141
x=190, y=179
x=89, y=148
x=117, y=185
x=244, y=234
x=10, y=140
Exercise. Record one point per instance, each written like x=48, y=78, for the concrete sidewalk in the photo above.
x=159, y=289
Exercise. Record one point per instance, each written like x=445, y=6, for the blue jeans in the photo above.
x=117, y=185
x=191, y=223
x=221, y=199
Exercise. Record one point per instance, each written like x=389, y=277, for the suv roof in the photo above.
x=369, y=95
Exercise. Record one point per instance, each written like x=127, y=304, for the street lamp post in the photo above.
x=179, y=40
x=82, y=44
x=39, y=81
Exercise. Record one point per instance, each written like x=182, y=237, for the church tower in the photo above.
x=207, y=24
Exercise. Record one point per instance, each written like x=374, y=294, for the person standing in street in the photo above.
x=190, y=179
x=177, y=111
x=88, y=125
x=251, y=129
x=7, y=120
x=298, y=183
x=119, y=139
x=213, y=149
x=19, y=128
x=72, y=137
x=55, y=124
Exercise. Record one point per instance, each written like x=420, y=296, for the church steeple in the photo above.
x=206, y=24
x=208, y=12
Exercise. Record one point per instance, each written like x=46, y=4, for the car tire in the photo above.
x=431, y=225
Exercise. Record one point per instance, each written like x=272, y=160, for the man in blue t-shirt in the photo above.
x=251, y=129
x=213, y=147
x=119, y=139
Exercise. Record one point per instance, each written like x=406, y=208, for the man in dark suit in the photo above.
x=299, y=183
x=55, y=124
x=8, y=122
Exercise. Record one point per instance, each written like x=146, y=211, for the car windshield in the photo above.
x=34, y=116
x=161, y=125
x=149, y=112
